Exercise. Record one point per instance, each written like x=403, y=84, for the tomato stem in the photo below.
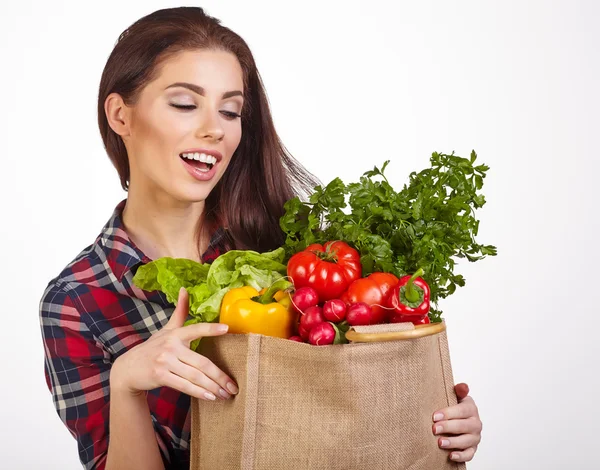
x=327, y=255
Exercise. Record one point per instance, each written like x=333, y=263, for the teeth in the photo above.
x=201, y=157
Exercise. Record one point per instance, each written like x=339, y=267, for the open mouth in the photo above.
x=199, y=161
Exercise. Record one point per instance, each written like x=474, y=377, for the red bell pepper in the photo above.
x=409, y=299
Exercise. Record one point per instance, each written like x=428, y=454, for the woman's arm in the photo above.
x=132, y=442
x=164, y=359
x=77, y=371
x=96, y=399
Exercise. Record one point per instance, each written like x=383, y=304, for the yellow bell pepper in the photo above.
x=245, y=310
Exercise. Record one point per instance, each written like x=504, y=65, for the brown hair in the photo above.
x=262, y=174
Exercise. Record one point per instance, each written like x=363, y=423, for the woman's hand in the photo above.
x=165, y=360
x=463, y=421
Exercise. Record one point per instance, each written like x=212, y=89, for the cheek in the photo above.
x=156, y=139
x=233, y=140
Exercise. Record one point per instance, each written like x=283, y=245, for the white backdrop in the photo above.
x=360, y=82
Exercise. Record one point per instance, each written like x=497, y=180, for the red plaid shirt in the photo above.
x=91, y=314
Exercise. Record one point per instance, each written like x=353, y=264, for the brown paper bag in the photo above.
x=363, y=405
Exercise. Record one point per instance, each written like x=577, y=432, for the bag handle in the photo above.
x=419, y=331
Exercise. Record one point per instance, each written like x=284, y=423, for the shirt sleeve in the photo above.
x=77, y=370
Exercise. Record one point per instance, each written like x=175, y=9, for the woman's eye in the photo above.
x=188, y=107
x=231, y=115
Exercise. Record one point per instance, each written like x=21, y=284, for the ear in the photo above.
x=117, y=114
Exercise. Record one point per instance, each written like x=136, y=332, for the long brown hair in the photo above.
x=262, y=174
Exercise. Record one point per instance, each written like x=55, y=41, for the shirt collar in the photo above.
x=123, y=255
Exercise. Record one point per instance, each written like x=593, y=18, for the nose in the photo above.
x=210, y=126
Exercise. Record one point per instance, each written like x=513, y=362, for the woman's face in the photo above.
x=194, y=104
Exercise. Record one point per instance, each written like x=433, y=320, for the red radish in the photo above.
x=321, y=334
x=304, y=298
x=296, y=338
x=312, y=316
x=359, y=313
x=303, y=332
x=334, y=310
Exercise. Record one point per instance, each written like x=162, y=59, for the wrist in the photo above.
x=118, y=380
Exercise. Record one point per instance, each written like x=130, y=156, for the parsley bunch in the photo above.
x=428, y=224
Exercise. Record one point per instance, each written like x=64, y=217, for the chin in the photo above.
x=194, y=194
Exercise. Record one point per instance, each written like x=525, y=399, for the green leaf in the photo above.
x=478, y=181
x=340, y=336
x=169, y=275
x=209, y=310
x=227, y=268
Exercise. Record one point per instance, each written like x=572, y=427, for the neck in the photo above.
x=162, y=226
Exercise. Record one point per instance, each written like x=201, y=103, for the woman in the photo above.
x=185, y=121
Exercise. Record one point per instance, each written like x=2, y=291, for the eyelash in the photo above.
x=189, y=107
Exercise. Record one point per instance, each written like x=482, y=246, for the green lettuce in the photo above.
x=169, y=275
x=207, y=284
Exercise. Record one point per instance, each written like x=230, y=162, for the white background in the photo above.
x=350, y=85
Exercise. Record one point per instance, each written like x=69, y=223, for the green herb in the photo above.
x=428, y=224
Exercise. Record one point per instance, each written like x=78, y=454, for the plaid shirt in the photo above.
x=91, y=314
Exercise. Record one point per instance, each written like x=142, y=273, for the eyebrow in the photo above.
x=198, y=89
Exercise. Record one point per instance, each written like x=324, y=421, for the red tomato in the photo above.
x=329, y=269
x=374, y=290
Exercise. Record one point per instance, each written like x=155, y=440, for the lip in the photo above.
x=214, y=153
x=200, y=175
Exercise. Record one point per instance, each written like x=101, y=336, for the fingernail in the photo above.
x=454, y=456
x=222, y=328
x=210, y=396
x=232, y=388
x=438, y=416
x=445, y=443
x=438, y=429
x=224, y=394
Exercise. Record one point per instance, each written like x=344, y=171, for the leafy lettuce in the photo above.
x=207, y=284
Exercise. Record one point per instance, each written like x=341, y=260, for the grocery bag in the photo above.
x=363, y=405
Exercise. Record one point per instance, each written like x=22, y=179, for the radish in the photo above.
x=296, y=338
x=303, y=332
x=304, y=298
x=334, y=310
x=312, y=317
x=359, y=313
x=322, y=334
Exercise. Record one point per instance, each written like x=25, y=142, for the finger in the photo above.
x=181, y=311
x=205, y=365
x=199, y=378
x=460, y=443
x=185, y=386
x=461, y=390
x=464, y=456
x=198, y=330
x=458, y=426
x=464, y=409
